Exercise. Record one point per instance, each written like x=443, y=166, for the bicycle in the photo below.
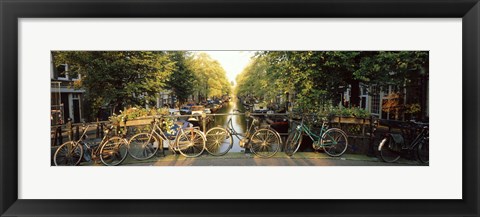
x=393, y=145
x=187, y=140
x=263, y=142
x=111, y=151
x=333, y=140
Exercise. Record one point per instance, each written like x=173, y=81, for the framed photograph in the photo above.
x=239, y=108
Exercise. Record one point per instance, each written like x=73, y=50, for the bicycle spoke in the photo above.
x=270, y=137
x=197, y=139
x=267, y=136
x=142, y=146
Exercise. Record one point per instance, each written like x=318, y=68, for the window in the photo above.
x=363, y=97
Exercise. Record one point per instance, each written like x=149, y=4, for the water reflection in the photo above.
x=238, y=121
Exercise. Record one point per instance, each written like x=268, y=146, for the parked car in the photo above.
x=207, y=111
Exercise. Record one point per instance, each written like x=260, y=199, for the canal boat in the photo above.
x=197, y=110
x=260, y=108
x=186, y=110
x=174, y=112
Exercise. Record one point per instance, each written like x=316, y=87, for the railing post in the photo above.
x=70, y=129
x=77, y=133
x=247, y=118
x=60, y=136
x=54, y=141
x=204, y=122
x=371, y=152
x=98, y=130
x=101, y=130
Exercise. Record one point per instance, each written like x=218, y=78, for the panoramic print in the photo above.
x=239, y=108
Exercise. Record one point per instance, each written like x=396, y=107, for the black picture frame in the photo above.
x=11, y=11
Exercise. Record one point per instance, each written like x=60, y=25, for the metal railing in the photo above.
x=72, y=130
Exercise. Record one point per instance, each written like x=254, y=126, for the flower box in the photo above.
x=349, y=120
x=137, y=122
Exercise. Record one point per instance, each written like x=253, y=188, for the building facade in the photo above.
x=66, y=101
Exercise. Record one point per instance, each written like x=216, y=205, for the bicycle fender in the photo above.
x=382, y=143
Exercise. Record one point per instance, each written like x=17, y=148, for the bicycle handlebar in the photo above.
x=420, y=124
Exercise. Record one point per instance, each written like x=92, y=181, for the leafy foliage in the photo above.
x=182, y=79
x=318, y=78
x=118, y=78
x=211, y=79
x=349, y=112
x=121, y=79
x=133, y=113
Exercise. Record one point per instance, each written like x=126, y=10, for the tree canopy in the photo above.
x=319, y=77
x=211, y=79
x=118, y=79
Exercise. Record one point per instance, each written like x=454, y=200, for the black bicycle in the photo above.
x=393, y=145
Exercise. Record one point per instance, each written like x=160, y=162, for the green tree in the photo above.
x=181, y=81
x=211, y=79
x=118, y=79
x=317, y=78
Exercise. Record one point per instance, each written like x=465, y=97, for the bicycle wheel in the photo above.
x=293, y=142
x=143, y=146
x=68, y=154
x=265, y=143
x=190, y=143
x=334, y=142
x=386, y=153
x=219, y=141
x=114, y=151
x=423, y=151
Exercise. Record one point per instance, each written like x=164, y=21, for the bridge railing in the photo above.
x=360, y=131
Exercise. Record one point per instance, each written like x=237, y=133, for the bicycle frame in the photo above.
x=83, y=134
x=94, y=151
x=417, y=139
x=314, y=137
x=303, y=128
x=412, y=144
x=233, y=132
x=157, y=130
x=81, y=139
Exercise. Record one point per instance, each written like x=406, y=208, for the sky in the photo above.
x=232, y=61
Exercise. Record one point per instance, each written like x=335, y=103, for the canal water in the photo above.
x=239, y=122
